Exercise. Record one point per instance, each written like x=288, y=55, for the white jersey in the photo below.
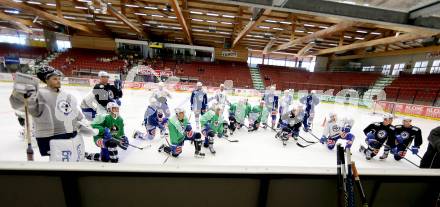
x=285, y=104
x=332, y=128
x=90, y=102
x=162, y=95
x=221, y=98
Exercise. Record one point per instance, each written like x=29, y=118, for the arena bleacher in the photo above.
x=14, y=50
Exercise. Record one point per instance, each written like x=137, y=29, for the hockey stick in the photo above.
x=134, y=146
x=411, y=162
x=349, y=183
x=314, y=135
x=415, y=154
x=359, y=186
x=29, y=150
x=231, y=140
x=302, y=145
x=307, y=140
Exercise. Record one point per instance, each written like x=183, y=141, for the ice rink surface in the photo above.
x=258, y=148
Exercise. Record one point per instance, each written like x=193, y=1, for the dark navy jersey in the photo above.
x=106, y=93
x=382, y=133
x=409, y=134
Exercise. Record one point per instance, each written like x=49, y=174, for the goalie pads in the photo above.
x=67, y=150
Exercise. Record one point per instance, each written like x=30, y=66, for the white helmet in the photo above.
x=406, y=118
x=161, y=84
x=222, y=85
x=313, y=91
x=103, y=74
x=111, y=105
x=388, y=116
x=272, y=88
x=331, y=114
x=199, y=84
x=287, y=91
x=179, y=110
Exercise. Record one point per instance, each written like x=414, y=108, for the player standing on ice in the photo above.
x=110, y=136
x=310, y=101
x=199, y=102
x=181, y=130
x=220, y=97
x=212, y=122
x=258, y=115
x=57, y=126
x=335, y=130
x=290, y=124
x=286, y=101
x=102, y=93
x=377, y=134
x=154, y=118
x=162, y=95
x=271, y=102
x=405, y=134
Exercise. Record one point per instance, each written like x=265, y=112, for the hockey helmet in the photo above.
x=103, y=74
x=45, y=72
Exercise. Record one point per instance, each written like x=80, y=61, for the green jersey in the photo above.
x=259, y=114
x=116, y=127
x=177, y=129
x=248, y=110
x=215, y=121
x=239, y=111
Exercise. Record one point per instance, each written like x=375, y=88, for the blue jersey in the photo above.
x=271, y=101
x=199, y=100
x=151, y=118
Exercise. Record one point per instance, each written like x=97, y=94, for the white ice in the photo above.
x=258, y=148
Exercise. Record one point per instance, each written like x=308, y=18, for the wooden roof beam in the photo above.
x=280, y=32
x=305, y=49
x=178, y=11
x=124, y=19
x=45, y=15
x=319, y=34
x=249, y=27
x=386, y=40
x=19, y=23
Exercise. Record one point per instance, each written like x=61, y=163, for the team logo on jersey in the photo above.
x=110, y=94
x=64, y=107
x=336, y=128
x=404, y=135
x=381, y=134
x=114, y=129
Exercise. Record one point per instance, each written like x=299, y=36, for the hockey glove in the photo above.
x=107, y=135
x=189, y=131
x=323, y=139
x=394, y=150
x=123, y=143
x=414, y=150
x=370, y=135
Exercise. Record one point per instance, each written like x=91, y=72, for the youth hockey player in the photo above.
x=154, y=118
x=310, y=101
x=290, y=125
x=405, y=134
x=104, y=92
x=286, y=101
x=431, y=158
x=220, y=97
x=237, y=114
x=335, y=130
x=377, y=134
x=271, y=102
x=258, y=115
x=55, y=116
x=111, y=135
x=162, y=95
x=181, y=130
x=199, y=102
x=213, y=124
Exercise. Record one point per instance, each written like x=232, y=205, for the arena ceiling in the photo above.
x=302, y=27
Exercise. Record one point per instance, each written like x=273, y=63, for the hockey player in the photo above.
x=405, y=134
x=199, y=102
x=431, y=158
x=377, y=134
x=290, y=124
x=271, y=103
x=258, y=115
x=110, y=136
x=91, y=108
x=286, y=101
x=162, y=95
x=181, y=130
x=220, y=97
x=310, y=101
x=335, y=130
x=104, y=92
x=55, y=116
x=213, y=124
x=237, y=114
x=154, y=118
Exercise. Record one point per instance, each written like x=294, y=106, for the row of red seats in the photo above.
x=22, y=51
x=417, y=88
x=77, y=59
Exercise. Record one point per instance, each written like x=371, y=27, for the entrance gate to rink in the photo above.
x=93, y=184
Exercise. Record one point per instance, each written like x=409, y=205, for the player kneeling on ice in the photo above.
x=58, y=130
x=237, y=114
x=290, y=125
x=405, y=134
x=111, y=135
x=154, y=118
x=258, y=115
x=335, y=130
x=377, y=134
x=181, y=130
x=212, y=122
